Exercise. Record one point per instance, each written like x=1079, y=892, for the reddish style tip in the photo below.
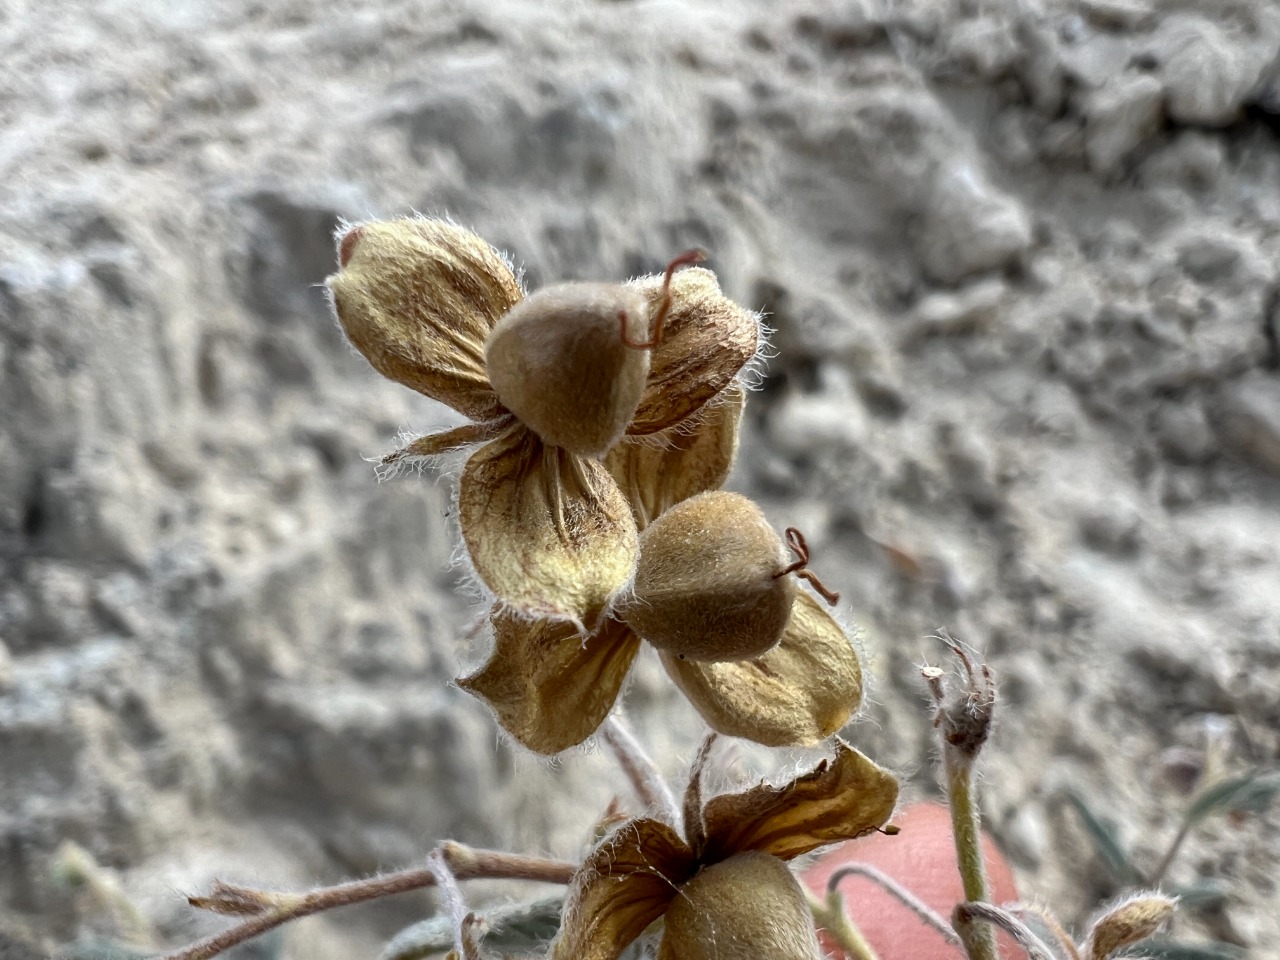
x=347, y=245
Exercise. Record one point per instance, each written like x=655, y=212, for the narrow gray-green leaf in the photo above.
x=1208, y=894
x=1179, y=950
x=1249, y=792
x=1103, y=836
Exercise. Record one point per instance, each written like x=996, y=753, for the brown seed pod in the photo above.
x=559, y=360
x=744, y=908
x=708, y=584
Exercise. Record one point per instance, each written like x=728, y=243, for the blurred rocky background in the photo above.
x=1022, y=258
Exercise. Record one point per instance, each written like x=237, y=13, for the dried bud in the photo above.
x=560, y=361
x=708, y=584
x=746, y=907
x=1130, y=922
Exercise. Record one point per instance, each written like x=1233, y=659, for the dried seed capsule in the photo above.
x=743, y=908
x=707, y=586
x=559, y=361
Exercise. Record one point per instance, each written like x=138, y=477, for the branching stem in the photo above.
x=970, y=919
x=466, y=925
x=464, y=862
x=891, y=886
x=1052, y=923
x=832, y=917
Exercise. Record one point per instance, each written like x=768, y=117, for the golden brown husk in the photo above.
x=549, y=686
x=802, y=691
x=706, y=587
x=418, y=298
x=625, y=884
x=558, y=362
x=839, y=799
x=693, y=460
x=548, y=532
x=706, y=342
x=745, y=908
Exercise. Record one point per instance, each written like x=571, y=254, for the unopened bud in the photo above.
x=1130, y=922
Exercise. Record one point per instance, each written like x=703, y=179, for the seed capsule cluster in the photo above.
x=604, y=419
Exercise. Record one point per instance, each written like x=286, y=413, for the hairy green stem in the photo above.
x=1167, y=860
x=966, y=825
x=904, y=896
x=831, y=916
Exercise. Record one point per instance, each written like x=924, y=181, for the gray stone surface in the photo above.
x=1027, y=391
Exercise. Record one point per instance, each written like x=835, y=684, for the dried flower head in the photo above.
x=551, y=688
x=723, y=888
x=550, y=382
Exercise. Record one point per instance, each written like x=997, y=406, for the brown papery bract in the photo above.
x=657, y=477
x=542, y=524
x=707, y=586
x=418, y=298
x=559, y=362
x=706, y=341
x=724, y=889
x=802, y=691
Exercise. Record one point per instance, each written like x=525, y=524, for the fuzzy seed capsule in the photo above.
x=744, y=908
x=559, y=362
x=707, y=586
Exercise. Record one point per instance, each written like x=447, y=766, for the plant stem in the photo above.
x=971, y=919
x=1052, y=923
x=1167, y=860
x=895, y=889
x=963, y=722
x=966, y=825
x=466, y=926
x=646, y=779
x=464, y=862
x=831, y=917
